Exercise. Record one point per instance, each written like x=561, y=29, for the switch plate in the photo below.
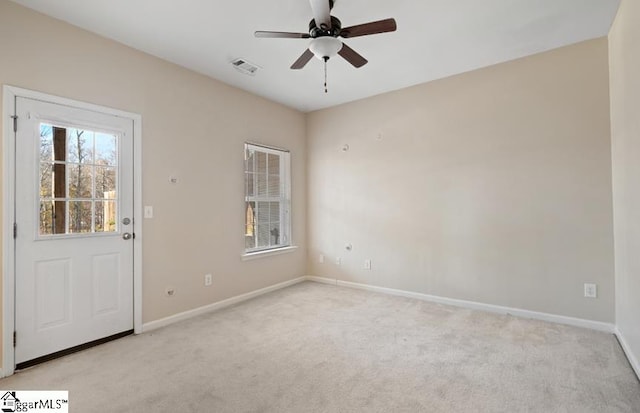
x=321, y=259
x=590, y=291
x=208, y=280
x=338, y=261
x=148, y=211
x=367, y=264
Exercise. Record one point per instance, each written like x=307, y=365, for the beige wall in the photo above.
x=193, y=127
x=624, y=44
x=491, y=186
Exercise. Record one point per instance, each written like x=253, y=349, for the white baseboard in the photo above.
x=633, y=360
x=322, y=280
x=153, y=325
x=577, y=322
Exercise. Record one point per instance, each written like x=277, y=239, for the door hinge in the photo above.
x=15, y=230
x=15, y=340
x=15, y=123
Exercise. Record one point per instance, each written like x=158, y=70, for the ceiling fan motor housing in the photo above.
x=334, y=31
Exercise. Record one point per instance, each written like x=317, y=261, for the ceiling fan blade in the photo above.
x=381, y=26
x=282, y=35
x=322, y=13
x=302, y=60
x=352, y=56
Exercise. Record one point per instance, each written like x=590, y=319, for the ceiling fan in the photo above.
x=324, y=30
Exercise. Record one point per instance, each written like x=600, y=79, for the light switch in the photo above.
x=148, y=212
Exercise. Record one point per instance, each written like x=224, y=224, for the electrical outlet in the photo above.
x=170, y=291
x=367, y=264
x=590, y=291
x=321, y=259
x=338, y=261
x=208, y=280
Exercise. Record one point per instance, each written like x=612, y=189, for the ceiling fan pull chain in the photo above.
x=325, y=74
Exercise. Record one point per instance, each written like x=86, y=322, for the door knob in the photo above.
x=126, y=221
x=126, y=236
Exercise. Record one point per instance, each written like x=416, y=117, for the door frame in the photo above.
x=10, y=93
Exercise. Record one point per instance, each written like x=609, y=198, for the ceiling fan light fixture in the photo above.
x=324, y=30
x=325, y=47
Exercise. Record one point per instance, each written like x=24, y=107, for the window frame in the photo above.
x=284, y=200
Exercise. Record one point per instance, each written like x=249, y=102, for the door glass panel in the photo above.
x=106, y=149
x=105, y=216
x=46, y=143
x=78, y=181
x=105, y=182
x=79, y=216
x=47, y=209
x=80, y=144
x=46, y=180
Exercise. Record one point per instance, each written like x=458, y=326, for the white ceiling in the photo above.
x=435, y=38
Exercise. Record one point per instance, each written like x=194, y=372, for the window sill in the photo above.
x=259, y=254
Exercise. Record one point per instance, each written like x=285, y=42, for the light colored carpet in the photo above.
x=321, y=348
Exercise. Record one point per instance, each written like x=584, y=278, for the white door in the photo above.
x=74, y=216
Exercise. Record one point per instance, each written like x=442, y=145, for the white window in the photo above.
x=267, y=198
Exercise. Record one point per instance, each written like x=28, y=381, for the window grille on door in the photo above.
x=78, y=181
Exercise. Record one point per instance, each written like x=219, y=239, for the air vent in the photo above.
x=242, y=66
